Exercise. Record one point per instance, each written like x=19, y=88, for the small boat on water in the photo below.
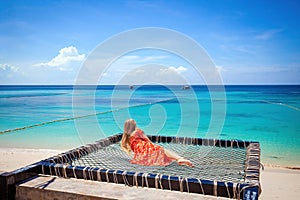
x=131, y=87
x=186, y=87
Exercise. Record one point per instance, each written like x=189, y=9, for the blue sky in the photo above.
x=250, y=42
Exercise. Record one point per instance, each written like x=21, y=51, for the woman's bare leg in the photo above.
x=172, y=155
x=176, y=157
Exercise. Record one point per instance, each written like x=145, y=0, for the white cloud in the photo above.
x=65, y=56
x=220, y=69
x=151, y=74
x=268, y=34
x=9, y=68
x=10, y=74
x=128, y=63
x=178, y=70
x=130, y=60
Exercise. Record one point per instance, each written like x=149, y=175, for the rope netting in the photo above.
x=211, y=162
x=228, y=168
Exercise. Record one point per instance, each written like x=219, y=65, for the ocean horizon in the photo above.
x=68, y=116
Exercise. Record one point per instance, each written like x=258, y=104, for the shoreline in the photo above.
x=267, y=165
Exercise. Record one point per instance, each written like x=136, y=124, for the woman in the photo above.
x=145, y=152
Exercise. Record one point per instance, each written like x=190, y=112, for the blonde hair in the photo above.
x=129, y=128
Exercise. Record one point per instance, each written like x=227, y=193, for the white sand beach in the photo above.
x=277, y=183
x=15, y=158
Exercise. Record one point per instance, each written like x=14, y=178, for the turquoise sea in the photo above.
x=59, y=117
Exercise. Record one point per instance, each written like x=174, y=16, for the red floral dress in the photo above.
x=147, y=153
